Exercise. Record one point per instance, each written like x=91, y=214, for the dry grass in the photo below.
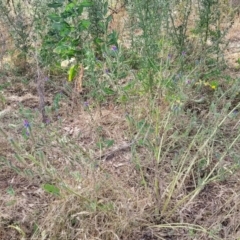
x=135, y=171
x=116, y=198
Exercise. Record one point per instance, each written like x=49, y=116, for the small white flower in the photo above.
x=65, y=63
x=72, y=60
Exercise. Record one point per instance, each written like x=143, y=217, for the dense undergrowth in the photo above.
x=136, y=132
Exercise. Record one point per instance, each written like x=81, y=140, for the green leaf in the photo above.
x=97, y=40
x=122, y=75
x=112, y=38
x=59, y=26
x=102, y=26
x=109, y=19
x=63, y=28
x=84, y=24
x=65, y=50
x=214, y=84
x=66, y=14
x=86, y=3
x=70, y=7
x=109, y=142
x=105, y=8
x=51, y=189
x=72, y=73
x=55, y=5
x=108, y=91
x=123, y=99
x=54, y=17
x=10, y=191
x=79, y=10
x=129, y=86
x=99, y=145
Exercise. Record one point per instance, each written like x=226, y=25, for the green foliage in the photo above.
x=178, y=32
x=70, y=30
x=72, y=72
x=51, y=189
x=174, y=41
x=67, y=32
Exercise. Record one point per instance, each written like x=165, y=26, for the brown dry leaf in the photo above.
x=79, y=79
